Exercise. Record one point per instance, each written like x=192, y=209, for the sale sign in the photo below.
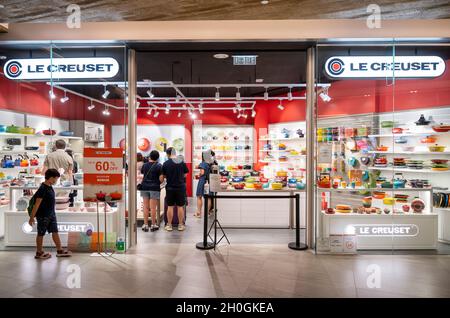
x=103, y=177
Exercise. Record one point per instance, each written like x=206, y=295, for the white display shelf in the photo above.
x=279, y=151
x=39, y=136
x=376, y=189
x=407, y=170
x=232, y=150
x=18, y=168
x=281, y=139
x=276, y=162
x=415, y=134
x=390, y=215
x=410, y=153
x=442, y=209
x=78, y=187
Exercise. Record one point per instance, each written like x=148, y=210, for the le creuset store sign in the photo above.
x=386, y=229
x=384, y=66
x=63, y=227
x=61, y=68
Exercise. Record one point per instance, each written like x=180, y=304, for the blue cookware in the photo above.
x=2, y=128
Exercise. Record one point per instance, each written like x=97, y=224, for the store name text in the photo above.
x=386, y=229
x=61, y=68
x=384, y=66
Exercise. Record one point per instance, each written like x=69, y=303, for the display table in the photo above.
x=254, y=213
x=17, y=231
x=444, y=224
x=414, y=231
x=3, y=208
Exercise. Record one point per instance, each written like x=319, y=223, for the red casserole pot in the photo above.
x=49, y=132
x=441, y=128
x=397, y=130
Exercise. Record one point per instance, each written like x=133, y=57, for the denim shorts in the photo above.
x=150, y=194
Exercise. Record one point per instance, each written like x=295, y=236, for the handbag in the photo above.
x=139, y=186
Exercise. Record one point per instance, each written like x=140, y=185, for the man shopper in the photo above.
x=44, y=212
x=174, y=170
x=59, y=159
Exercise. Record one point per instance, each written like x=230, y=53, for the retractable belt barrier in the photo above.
x=297, y=245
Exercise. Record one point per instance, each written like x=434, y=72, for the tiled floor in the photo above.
x=257, y=264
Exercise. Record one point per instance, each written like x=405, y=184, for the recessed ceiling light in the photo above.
x=221, y=56
x=259, y=80
x=3, y=57
x=265, y=2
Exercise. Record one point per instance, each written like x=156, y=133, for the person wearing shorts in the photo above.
x=174, y=171
x=44, y=212
x=151, y=189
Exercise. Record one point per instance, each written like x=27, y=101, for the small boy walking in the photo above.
x=44, y=212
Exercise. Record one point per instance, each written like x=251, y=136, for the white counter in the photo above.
x=444, y=224
x=15, y=234
x=256, y=213
x=3, y=208
x=422, y=230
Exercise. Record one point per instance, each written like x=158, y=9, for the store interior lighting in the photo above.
x=106, y=93
x=167, y=109
x=324, y=95
x=280, y=106
x=156, y=114
x=253, y=113
x=266, y=95
x=217, y=98
x=179, y=114
x=149, y=112
x=193, y=115
x=106, y=111
x=238, y=94
x=91, y=106
x=65, y=98
x=150, y=93
x=290, y=94
x=52, y=95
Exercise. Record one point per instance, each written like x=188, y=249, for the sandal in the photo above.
x=197, y=215
x=63, y=253
x=42, y=255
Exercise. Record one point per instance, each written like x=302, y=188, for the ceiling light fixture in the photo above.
x=149, y=112
x=280, y=106
x=65, y=98
x=221, y=56
x=52, y=95
x=259, y=80
x=177, y=99
x=150, y=94
x=253, y=113
x=193, y=115
x=239, y=115
x=184, y=106
x=244, y=115
x=167, y=109
x=179, y=114
x=238, y=94
x=106, y=111
x=324, y=96
x=156, y=114
x=138, y=103
x=234, y=110
x=290, y=94
x=3, y=57
x=264, y=2
x=92, y=106
x=105, y=94
x=217, y=95
x=266, y=95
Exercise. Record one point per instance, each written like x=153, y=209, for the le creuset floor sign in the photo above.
x=61, y=68
x=384, y=66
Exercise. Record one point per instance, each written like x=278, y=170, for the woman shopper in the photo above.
x=150, y=189
x=139, y=164
x=205, y=168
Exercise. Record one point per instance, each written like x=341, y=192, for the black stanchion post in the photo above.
x=297, y=245
x=205, y=245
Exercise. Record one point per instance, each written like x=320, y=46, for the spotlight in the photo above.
x=184, y=106
x=156, y=114
x=91, y=107
x=106, y=112
x=239, y=115
x=177, y=99
x=138, y=104
x=167, y=109
x=149, y=112
x=238, y=94
x=253, y=113
x=106, y=93
x=244, y=115
x=150, y=94
x=264, y=2
x=280, y=106
x=193, y=116
x=290, y=94
x=217, y=95
x=325, y=97
x=52, y=95
x=65, y=98
x=234, y=110
x=179, y=114
x=266, y=95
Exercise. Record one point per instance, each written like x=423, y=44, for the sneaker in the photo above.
x=181, y=227
x=156, y=227
x=168, y=228
x=145, y=227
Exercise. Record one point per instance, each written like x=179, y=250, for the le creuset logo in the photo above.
x=61, y=68
x=386, y=229
x=384, y=66
x=63, y=227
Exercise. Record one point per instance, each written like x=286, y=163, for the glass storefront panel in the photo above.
x=58, y=101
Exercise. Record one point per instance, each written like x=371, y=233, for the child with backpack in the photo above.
x=42, y=207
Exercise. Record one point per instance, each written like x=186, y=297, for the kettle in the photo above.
x=399, y=181
x=34, y=161
x=24, y=162
x=18, y=161
x=7, y=162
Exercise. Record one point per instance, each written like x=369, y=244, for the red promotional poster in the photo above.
x=103, y=178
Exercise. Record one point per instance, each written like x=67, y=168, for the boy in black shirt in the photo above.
x=44, y=211
x=174, y=171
